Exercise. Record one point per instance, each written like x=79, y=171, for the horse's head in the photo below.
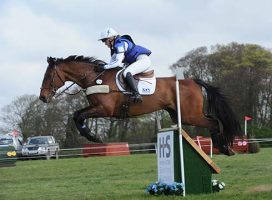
x=52, y=80
x=79, y=69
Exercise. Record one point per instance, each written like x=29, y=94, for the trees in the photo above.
x=243, y=71
x=17, y=115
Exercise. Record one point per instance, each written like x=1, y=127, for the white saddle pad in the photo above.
x=146, y=86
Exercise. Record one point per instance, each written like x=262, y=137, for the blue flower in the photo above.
x=159, y=188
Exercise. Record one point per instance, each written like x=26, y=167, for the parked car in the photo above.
x=14, y=139
x=41, y=147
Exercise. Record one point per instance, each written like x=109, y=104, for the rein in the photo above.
x=67, y=88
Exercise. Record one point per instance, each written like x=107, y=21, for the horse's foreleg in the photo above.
x=80, y=117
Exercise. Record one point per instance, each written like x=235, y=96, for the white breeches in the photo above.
x=142, y=64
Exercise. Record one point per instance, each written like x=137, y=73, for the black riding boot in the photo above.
x=136, y=97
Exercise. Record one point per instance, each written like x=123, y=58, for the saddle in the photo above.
x=146, y=85
x=146, y=82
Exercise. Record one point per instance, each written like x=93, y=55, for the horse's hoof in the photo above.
x=86, y=132
x=97, y=139
x=226, y=150
x=93, y=138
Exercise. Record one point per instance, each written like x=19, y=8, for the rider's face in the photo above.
x=107, y=42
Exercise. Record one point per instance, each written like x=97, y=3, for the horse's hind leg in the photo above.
x=216, y=131
x=218, y=138
x=173, y=115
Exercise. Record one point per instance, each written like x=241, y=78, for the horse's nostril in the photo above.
x=43, y=99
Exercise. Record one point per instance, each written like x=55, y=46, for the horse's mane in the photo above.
x=91, y=60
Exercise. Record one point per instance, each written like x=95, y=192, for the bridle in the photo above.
x=54, y=88
x=52, y=85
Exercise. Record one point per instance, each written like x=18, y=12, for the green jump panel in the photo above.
x=198, y=167
x=198, y=174
x=8, y=156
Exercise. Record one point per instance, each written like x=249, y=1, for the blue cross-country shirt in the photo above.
x=131, y=52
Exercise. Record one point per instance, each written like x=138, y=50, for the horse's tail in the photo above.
x=218, y=106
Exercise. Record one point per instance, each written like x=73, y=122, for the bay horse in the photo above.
x=220, y=119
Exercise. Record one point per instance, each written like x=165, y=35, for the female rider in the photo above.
x=124, y=52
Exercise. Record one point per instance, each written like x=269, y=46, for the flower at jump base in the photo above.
x=159, y=188
x=217, y=186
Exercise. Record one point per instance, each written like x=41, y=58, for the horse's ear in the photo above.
x=49, y=59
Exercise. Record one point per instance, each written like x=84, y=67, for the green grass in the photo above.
x=247, y=177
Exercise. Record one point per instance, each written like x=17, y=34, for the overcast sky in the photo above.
x=31, y=30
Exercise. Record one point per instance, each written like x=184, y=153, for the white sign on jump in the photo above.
x=165, y=157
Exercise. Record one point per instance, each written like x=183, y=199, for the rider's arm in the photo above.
x=118, y=57
x=116, y=61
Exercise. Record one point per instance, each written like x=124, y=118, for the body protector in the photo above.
x=130, y=49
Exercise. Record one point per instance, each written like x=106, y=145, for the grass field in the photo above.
x=247, y=177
